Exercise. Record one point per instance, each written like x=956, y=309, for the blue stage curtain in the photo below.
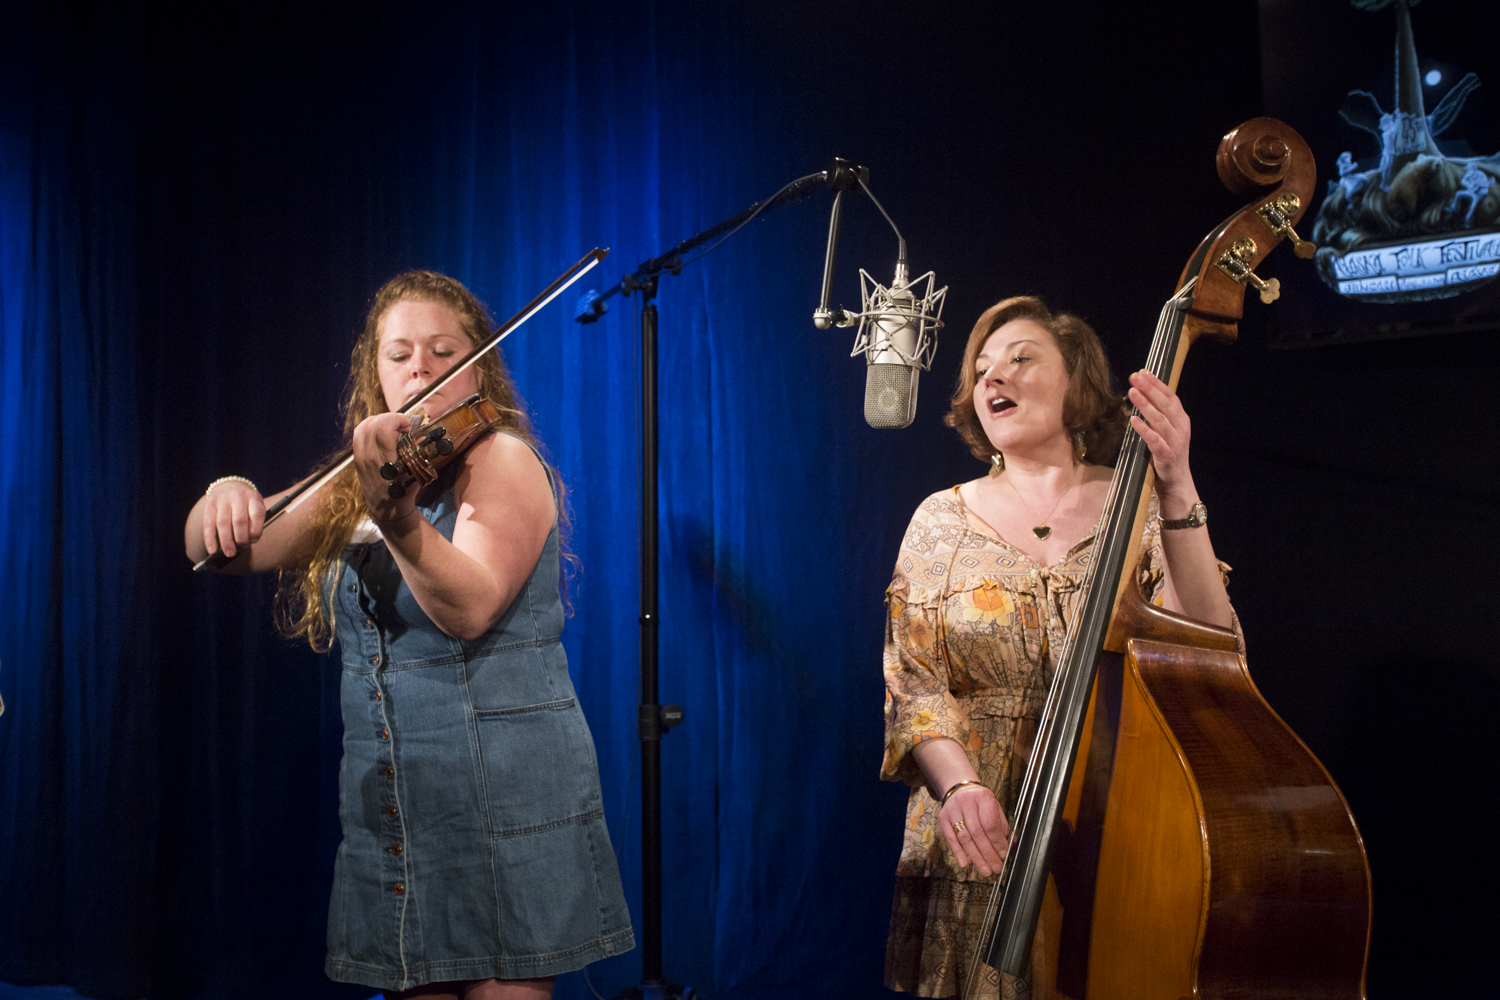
x=188, y=241
x=75, y=814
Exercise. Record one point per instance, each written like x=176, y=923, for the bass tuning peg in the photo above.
x=1235, y=262
x=1277, y=215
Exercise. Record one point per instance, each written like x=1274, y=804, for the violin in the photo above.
x=423, y=451
x=410, y=471
x=1173, y=837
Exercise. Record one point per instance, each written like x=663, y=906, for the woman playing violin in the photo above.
x=475, y=861
x=979, y=606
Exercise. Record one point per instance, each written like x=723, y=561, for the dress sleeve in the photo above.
x=919, y=704
x=1152, y=577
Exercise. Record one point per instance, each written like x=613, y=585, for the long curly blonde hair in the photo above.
x=304, y=608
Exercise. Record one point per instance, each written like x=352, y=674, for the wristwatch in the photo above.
x=1197, y=519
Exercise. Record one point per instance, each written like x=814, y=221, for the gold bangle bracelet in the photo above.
x=956, y=787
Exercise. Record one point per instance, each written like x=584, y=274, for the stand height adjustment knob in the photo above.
x=653, y=721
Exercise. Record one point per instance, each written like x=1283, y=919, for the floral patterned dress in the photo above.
x=973, y=627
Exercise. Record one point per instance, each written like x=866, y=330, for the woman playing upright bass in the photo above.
x=984, y=588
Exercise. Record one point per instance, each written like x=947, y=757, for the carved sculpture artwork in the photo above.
x=1420, y=224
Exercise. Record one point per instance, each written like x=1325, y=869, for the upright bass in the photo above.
x=1173, y=837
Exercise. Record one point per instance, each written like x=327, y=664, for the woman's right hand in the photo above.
x=233, y=516
x=976, y=828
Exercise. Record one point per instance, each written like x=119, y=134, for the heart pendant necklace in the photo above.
x=1043, y=529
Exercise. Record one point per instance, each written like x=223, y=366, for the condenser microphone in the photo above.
x=890, y=376
x=896, y=336
x=897, y=325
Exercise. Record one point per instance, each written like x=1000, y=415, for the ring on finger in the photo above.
x=958, y=826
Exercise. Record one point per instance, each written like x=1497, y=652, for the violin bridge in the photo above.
x=1277, y=215
x=1235, y=262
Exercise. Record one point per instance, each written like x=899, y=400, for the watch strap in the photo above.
x=1197, y=519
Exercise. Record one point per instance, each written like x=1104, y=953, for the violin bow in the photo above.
x=339, y=462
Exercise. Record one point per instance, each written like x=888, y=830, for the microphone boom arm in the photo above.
x=591, y=305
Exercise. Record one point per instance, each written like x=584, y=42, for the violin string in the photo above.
x=1164, y=347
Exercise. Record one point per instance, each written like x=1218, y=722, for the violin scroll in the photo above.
x=422, y=452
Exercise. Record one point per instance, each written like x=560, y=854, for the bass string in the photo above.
x=1164, y=346
x=1129, y=470
x=1162, y=352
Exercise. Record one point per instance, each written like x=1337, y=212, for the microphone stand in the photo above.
x=654, y=720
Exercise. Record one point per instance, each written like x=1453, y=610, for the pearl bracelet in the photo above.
x=230, y=479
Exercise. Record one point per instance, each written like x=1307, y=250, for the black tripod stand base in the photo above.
x=657, y=991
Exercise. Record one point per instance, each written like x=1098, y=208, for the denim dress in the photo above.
x=474, y=839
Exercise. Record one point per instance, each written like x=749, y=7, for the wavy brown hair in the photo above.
x=1091, y=406
x=304, y=593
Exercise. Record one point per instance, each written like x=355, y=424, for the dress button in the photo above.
x=353, y=588
x=367, y=623
x=392, y=811
x=385, y=734
x=374, y=660
x=399, y=889
x=377, y=695
x=390, y=772
x=396, y=849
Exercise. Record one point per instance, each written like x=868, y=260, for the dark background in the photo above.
x=195, y=207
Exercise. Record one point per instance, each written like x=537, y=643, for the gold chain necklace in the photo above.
x=1043, y=529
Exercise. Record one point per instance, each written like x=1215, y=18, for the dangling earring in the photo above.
x=997, y=464
x=1079, y=448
